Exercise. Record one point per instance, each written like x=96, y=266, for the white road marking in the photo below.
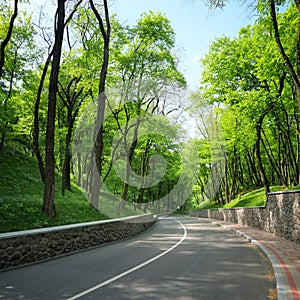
x=98, y=286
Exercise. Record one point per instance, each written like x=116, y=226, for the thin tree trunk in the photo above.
x=251, y=157
x=226, y=191
x=258, y=153
x=36, y=130
x=70, y=101
x=130, y=155
x=298, y=144
x=66, y=178
x=297, y=2
x=98, y=149
x=144, y=164
x=48, y=201
x=233, y=176
x=272, y=159
x=12, y=75
x=292, y=155
x=37, y=105
x=79, y=181
x=8, y=37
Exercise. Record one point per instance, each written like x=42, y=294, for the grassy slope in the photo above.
x=254, y=198
x=21, y=193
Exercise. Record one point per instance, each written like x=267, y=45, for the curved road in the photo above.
x=182, y=258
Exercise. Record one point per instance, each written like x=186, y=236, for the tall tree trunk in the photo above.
x=36, y=130
x=98, y=149
x=36, y=145
x=48, y=201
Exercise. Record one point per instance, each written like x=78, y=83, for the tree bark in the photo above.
x=36, y=130
x=98, y=148
x=36, y=145
x=48, y=201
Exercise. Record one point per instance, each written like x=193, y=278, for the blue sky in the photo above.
x=194, y=24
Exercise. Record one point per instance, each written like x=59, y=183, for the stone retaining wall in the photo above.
x=23, y=247
x=280, y=216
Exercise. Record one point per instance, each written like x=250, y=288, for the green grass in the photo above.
x=21, y=193
x=254, y=198
x=110, y=207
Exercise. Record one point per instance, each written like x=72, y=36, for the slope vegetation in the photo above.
x=21, y=194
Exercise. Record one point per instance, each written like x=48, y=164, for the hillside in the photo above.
x=21, y=194
x=253, y=198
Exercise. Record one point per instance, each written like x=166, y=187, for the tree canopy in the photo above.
x=100, y=103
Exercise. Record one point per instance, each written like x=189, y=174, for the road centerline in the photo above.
x=139, y=266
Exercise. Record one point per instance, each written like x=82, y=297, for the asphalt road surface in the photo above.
x=178, y=258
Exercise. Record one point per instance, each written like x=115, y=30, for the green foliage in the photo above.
x=246, y=82
x=251, y=199
x=143, y=53
x=245, y=87
x=18, y=81
x=159, y=140
x=21, y=193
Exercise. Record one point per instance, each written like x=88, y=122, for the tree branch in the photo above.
x=8, y=36
x=281, y=49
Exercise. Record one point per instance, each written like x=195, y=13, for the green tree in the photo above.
x=252, y=88
x=145, y=69
x=59, y=28
x=48, y=201
x=270, y=7
x=105, y=29
x=21, y=60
